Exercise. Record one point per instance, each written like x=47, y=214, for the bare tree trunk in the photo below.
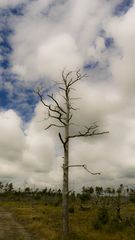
x=66, y=172
x=65, y=195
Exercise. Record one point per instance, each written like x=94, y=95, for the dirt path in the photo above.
x=10, y=229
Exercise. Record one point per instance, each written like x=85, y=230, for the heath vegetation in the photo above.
x=94, y=213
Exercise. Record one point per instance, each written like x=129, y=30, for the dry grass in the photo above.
x=44, y=222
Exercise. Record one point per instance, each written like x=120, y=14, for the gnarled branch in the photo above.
x=54, y=125
x=90, y=131
x=57, y=104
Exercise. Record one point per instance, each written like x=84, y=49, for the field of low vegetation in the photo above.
x=95, y=213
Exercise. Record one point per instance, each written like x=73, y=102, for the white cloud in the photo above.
x=57, y=53
x=51, y=36
x=122, y=65
x=34, y=160
x=10, y=3
x=68, y=34
x=40, y=151
x=23, y=154
x=11, y=137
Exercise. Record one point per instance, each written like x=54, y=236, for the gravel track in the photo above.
x=10, y=229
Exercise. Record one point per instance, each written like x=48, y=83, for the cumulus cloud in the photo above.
x=36, y=155
x=52, y=35
x=24, y=155
x=8, y=3
x=122, y=64
x=54, y=52
x=11, y=137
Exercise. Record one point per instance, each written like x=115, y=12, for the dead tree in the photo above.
x=61, y=116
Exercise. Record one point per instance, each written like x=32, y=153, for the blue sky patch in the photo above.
x=17, y=95
x=18, y=10
x=109, y=42
x=90, y=65
x=21, y=96
x=123, y=7
x=4, y=63
x=3, y=98
x=13, y=93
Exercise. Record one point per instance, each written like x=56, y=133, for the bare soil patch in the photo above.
x=10, y=229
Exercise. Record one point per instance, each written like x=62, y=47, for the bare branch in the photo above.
x=61, y=139
x=59, y=107
x=68, y=74
x=70, y=82
x=79, y=76
x=45, y=104
x=54, y=125
x=59, y=118
x=63, y=89
x=70, y=117
x=75, y=98
x=90, y=131
x=85, y=167
x=54, y=110
x=38, y=92
x=51, y=109
x=75, y=109
x=88, y=135
x=64, y=78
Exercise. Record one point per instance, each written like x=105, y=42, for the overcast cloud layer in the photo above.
x=97, y=38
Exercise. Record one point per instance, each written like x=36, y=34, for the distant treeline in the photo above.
x=86, y=194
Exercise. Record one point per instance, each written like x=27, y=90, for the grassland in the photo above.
x=43, y=221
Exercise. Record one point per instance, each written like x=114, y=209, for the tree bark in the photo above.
x=66, y=172
x=65, y=195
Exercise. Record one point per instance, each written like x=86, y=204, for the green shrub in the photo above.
x=132, y=197
x=71, y=209
x=103, y=215
x=96, y=224
x=101, y=219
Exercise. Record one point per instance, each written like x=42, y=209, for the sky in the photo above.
x=38, y=39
